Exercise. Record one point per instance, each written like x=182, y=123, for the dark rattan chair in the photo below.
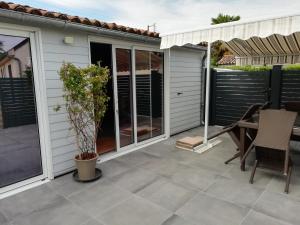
x=271, y=143
x=234, y=131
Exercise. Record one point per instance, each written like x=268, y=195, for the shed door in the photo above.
x=185, y=87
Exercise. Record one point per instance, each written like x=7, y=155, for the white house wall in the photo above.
x=185, y=88
x=55, y=52
x=185, y=78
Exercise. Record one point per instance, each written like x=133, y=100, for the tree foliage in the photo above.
x=86, y=101
x=224, y=18
x=218, y=50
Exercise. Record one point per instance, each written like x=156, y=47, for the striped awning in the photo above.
x=268, y=41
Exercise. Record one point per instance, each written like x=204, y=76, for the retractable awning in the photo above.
x=273, y=28
x=269, y=41
x=273, y=40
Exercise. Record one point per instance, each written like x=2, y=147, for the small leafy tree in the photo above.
x=86, y=100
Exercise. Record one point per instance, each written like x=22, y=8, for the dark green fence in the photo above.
x=232, y=92
x=17, y=102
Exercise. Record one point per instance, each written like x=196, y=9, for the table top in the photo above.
x=254, y=125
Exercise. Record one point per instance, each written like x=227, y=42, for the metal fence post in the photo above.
x=276, y=80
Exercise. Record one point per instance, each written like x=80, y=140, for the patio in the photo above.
x=161, y=185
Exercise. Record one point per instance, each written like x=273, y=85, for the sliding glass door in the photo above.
x=139, y=95
x=124, y=96
x=20, y=151
x=149, y=94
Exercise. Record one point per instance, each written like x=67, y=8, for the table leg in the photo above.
x=242, y=145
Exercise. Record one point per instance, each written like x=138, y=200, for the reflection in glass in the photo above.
x=149, y=94
x=157, y=90
x=20, y=154
x=143, y=94
x=124, y=83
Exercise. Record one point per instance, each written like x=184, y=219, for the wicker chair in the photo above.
x=234, y=130
x=271, y=143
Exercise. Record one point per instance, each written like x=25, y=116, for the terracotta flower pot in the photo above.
x=86, y=165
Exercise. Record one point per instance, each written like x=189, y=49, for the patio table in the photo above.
x=244, y=125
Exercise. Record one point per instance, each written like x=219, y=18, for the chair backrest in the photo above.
x=275, y=129
x=250, y=111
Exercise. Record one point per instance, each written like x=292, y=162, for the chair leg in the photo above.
x=236, y=155
x=253, y=172
x=288, y=180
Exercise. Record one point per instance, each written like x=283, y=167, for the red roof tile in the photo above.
x=74, y=19
x=227, y=60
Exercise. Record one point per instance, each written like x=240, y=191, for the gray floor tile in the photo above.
x=163, y=167
x=2, y=218
x=203, y=209
x=177, y=220
x=66, y=185
x=277, y=184
x=243, y=194
x=280, y=206
x=92, y=222
x=135, y=211
x=261, y=219
x=166, y=194
x=134, y=179
x=113, y=167
x=99, y=198
x=22, y=204
x=62, y=212
x=197, y=179
x=261, y=179
x=136, y=158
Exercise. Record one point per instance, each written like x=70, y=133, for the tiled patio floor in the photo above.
x=161, y=185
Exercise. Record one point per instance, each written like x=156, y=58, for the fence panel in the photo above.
x=290, y=86
x=234, y=91
x=17, y=102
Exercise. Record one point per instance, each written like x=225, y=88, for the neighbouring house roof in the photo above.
x=227, y=60
x=6, y=57
x=74, y=19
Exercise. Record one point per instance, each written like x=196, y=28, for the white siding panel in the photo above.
x=185, y=88
x=55, y=52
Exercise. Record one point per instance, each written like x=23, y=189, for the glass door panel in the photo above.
x=143, y=95
x=125, y=103
x=20, y=152
x=149, y=94
x=157, y=93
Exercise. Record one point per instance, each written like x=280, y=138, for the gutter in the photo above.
x=62, y=24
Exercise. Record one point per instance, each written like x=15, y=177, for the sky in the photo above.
x=169, y=15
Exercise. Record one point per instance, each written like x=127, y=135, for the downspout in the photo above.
x=53, y=22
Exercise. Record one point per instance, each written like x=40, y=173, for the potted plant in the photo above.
x=86, y=102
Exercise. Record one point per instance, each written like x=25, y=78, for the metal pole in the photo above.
x=207, y=93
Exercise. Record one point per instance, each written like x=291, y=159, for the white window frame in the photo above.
x=118, y=43
x=34, y=34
